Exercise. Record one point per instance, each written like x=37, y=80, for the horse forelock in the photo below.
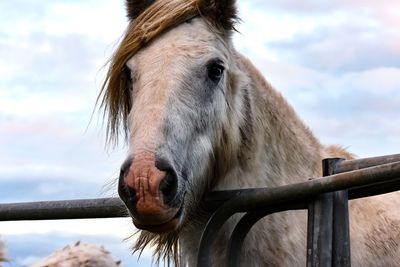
x=162, y=15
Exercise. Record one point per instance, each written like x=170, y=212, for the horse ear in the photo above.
x=136, y=7
x=224, y=12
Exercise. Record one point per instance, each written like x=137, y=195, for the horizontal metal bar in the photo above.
x=381, y=185
x=385, y=187
x=357, y=164
x=70, y=209
x=113, y=207
x=215, y=199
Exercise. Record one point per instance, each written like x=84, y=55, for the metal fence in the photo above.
x=326, y=199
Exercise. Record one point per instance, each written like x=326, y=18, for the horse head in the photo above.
x=171, y=85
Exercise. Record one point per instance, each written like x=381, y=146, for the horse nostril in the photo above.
x=132, y=195
x=169, y=187
x=127, y=194
x=169, y=184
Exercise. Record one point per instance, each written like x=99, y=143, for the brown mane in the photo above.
x=162, y=15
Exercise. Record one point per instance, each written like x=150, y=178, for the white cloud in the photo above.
x=386, y=10
x=41, y=104
x=103, y=20
x=329, y=36
x=122, y=227
x=381, y=81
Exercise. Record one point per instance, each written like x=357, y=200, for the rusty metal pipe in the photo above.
x=357, y=164
x=70, y=209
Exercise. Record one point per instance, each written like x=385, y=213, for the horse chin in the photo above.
x=163, y=228
x=160, y=229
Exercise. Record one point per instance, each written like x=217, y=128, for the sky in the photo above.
x=337, y=62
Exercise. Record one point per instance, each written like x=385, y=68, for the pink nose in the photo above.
x=148, y=190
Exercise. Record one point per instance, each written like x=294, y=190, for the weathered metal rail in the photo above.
x=63, y=210
x=326, y=200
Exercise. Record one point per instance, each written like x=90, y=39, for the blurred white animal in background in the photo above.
x=79, y=255
x=82, y=255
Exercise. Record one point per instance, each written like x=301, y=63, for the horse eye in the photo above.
x=215, y=71
x=127, y=73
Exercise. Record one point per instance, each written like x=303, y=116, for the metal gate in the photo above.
x=326, y=199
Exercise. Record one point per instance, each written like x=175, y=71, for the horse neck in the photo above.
x=283, y=150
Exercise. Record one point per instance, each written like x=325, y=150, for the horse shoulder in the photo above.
x=375, y=230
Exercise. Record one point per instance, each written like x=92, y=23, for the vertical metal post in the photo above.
x=310, y=235
x=320, y=224
x=320, y=238
x=341, y=233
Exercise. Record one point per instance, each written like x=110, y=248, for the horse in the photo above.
x=198, y=116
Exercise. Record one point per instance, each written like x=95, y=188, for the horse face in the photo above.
x=179, y=88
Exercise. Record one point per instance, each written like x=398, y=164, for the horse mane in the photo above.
x=160, y=16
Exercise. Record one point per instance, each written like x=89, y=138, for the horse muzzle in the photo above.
x=148, y=185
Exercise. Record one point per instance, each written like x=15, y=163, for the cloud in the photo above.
x=336, y=62
x=44, y=71
x=54, y=160
x=341, y=36
x=340, y=49
x=91, y=18
x=355, y=109
x=382, y=9
x=51, y=54
x=50, y=188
